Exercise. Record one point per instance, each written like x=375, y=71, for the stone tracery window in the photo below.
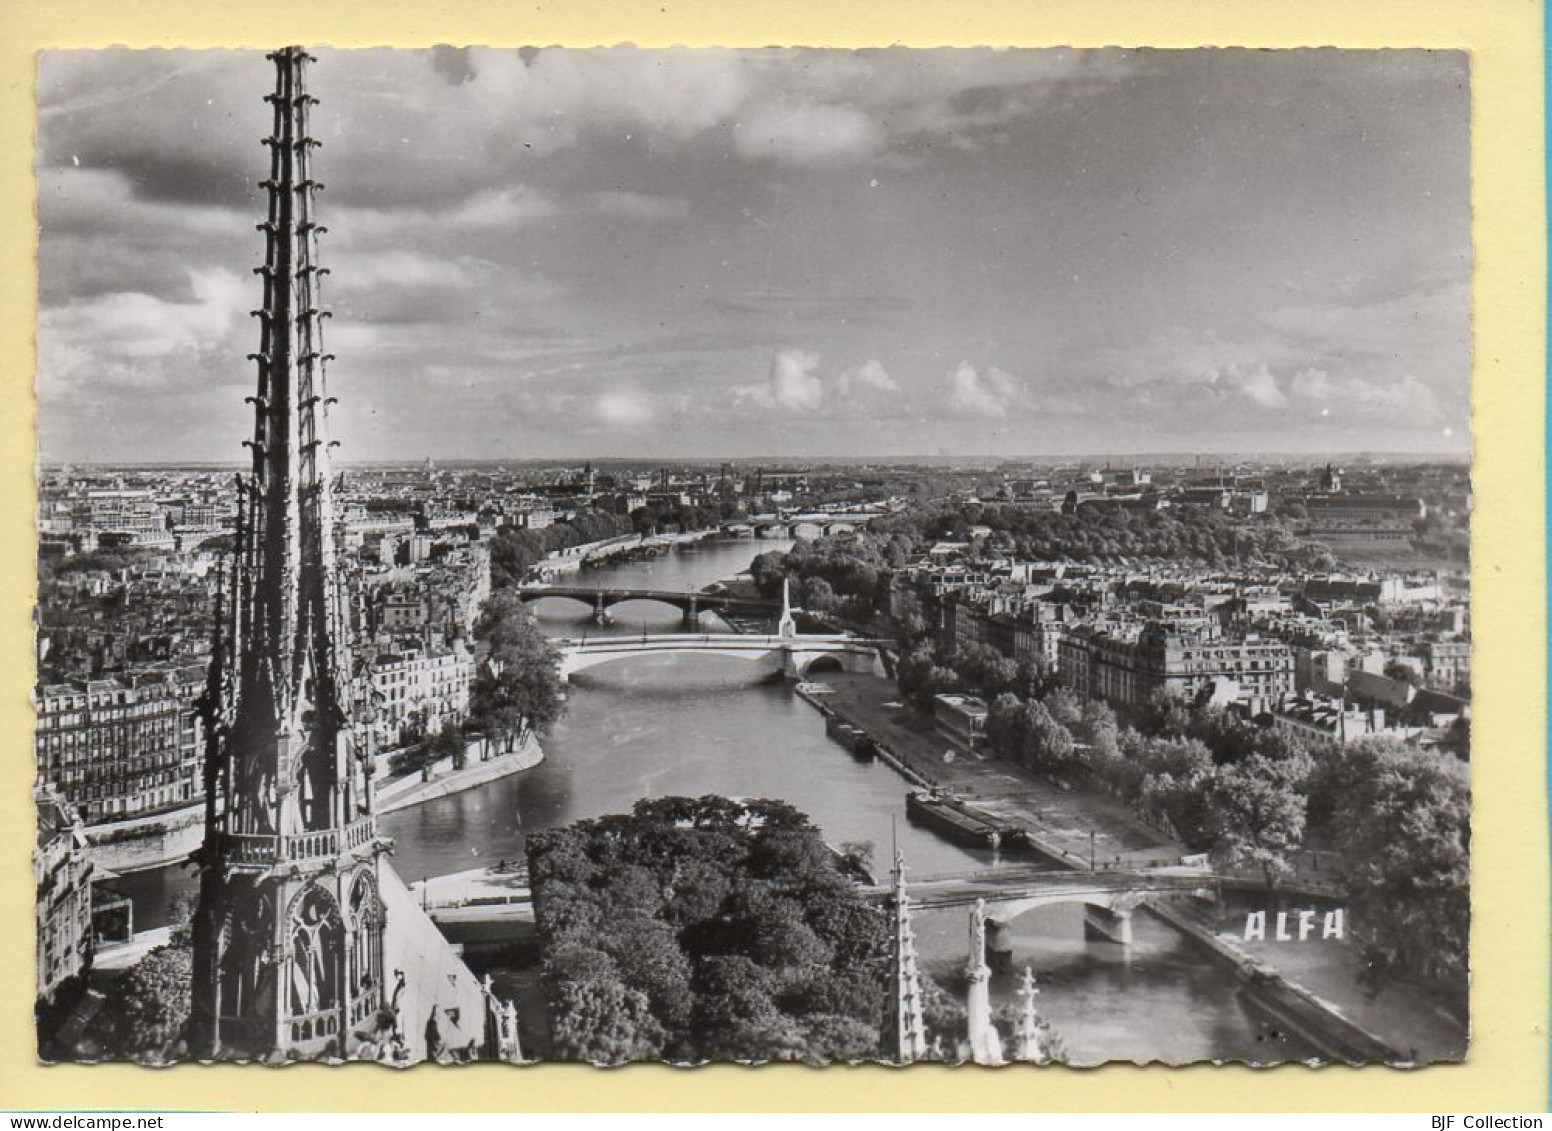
x=317, y=944
x=363, y=921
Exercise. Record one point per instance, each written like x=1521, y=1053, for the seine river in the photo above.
x=655, y=726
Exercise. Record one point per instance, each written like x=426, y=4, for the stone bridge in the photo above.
x=792, y=655
x=690, y=602
x=777, y=525
x=1108, y=897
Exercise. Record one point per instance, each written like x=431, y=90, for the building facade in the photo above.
x=62, y=871
x=417, y=691
x=122, y=747
x=1127, y=670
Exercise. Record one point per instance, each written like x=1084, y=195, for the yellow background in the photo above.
x=1507, y=1067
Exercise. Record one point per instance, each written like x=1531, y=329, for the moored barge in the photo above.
x=959, y=820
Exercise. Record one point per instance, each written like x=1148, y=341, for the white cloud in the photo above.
x=500, y=208
x=493, y=209
x=640, y=205
x=1258, y=386
x=398, y=267
x=128, y=338
x=793, y=384
x=1312, y=385
x=869, y=377
x=970, y=392
x=808, y=133
x=1397, y=360
x=1181, y=357
x=624, y=408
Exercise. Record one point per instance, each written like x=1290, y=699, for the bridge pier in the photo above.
x=692, y=613
x=1101, y=924
x=999, y=944
x=601, y=615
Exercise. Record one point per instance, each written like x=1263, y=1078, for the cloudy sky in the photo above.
x=708, y=253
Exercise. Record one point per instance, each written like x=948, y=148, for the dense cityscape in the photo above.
x=1158, y=753
x=1170, y=637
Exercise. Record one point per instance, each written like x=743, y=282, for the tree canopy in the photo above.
x=1405, y=833
x=707, y=929
x=518, y=687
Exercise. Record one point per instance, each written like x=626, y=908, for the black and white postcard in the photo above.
x=706, y=555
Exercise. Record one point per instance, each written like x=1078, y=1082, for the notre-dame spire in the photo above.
x=289, y=931
x=293, y=655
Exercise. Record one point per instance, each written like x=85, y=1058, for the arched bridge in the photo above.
x=789, y=654
x=781, y=524
x=1109, y=897
x=690, y=602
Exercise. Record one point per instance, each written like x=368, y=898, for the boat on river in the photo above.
x=854, y=738
x=959, y=820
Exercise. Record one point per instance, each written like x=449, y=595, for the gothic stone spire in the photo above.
x=293, y=667
x=910, y=1035
x=288, y=937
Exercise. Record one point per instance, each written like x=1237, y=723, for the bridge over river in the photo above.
x=691, y=602
x=489, y=897
x=790, y=654
x=1108, y=896
x=786, y=524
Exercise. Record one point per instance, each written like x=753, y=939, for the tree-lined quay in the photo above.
x=1215, y=768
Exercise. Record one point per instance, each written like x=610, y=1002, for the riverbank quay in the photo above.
x=155, y=840
x=115, y=957
x=1313, y=986
x=1074, y=827
x=142, y=844
x=572, y=559
x=500, y=891
x=443, y=781
x=484, y=912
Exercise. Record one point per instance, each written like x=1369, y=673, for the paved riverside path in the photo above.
x=1405, y=1018
x=401, y=793
x=492, y=894
x=1065, y=825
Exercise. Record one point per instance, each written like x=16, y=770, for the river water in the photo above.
x=654, y=726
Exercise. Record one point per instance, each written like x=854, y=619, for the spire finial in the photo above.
x=787, y=626
x=985, y=1043
x=1031, y=1043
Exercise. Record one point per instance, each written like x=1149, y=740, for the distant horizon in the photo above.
x=1171, y=458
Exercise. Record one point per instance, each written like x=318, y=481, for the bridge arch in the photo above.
x=790, y=655
x=1118, y=902
x=664, y=602
x=753, y=662
x=823, y=662
x=603, y=603
x=556, y=599
x=1113, y=892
